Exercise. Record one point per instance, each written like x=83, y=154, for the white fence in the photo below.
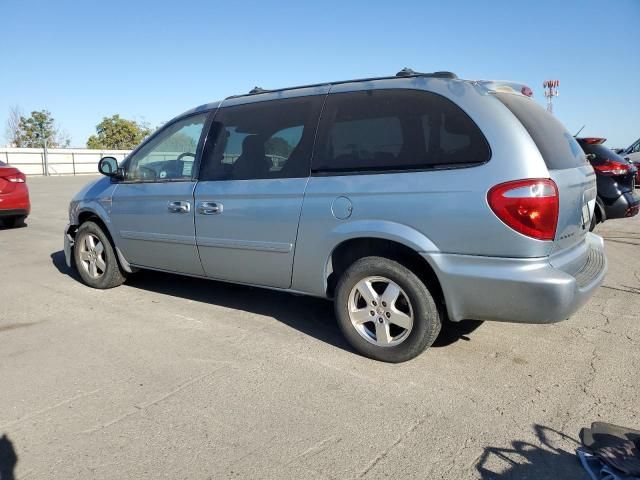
x=61, y=161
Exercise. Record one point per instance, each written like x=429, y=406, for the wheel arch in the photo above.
x=90, y=215
x=599, y=211
x=348, y=251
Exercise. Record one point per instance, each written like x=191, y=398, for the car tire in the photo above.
x=377, y=335
x=95, y=259
x=14, y=222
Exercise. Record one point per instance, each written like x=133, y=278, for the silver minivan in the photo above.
x=409, y=200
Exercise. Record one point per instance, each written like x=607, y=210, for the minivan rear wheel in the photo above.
x=385, y=311
x=95, y=258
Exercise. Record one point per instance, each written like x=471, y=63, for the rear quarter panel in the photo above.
x=446, y=209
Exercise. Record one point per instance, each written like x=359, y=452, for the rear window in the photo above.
x=558, y=148
x=601, y=152
x=381, y=130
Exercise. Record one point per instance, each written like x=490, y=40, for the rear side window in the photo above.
x=377, y=130
x=557, y=146
x=262, y=140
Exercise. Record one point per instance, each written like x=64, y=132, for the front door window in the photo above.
x=170, y=155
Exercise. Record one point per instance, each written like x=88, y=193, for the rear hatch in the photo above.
x=567, y=165
x=609, y=163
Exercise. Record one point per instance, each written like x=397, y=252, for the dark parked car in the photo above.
x=616, y=179
x=632, y=153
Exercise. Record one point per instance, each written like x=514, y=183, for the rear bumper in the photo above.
x=15, y=201
x=538, y=290
x=14, y=212
x=626, y=205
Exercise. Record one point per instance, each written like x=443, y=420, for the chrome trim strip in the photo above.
x=158, y=237
x=276, y=247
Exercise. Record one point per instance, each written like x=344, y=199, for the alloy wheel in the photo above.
x=92, y=256
x=380, y=311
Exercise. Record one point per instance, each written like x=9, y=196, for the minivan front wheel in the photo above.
x=95, y=258
x=385, y=311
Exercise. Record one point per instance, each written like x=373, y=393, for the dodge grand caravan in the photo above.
x=408, y=200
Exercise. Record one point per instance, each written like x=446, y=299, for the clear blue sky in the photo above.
x=150, y=60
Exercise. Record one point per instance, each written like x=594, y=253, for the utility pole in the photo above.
x=550, y=91
x=46, y=158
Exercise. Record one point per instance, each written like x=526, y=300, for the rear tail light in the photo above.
x=16, y=178
x=526, y=91
x=611, y=167
x=530, y=207
x=594, y=140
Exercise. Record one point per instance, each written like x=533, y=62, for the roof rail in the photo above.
x=405, y=72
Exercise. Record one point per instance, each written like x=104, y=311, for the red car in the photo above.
x=14, y=196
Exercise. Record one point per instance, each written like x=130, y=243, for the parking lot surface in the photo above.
x=174, y=377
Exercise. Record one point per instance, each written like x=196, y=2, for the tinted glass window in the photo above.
x=170, y=154
x=261, y=140
x=601, y=152
x=557, y=146
x=395, y=130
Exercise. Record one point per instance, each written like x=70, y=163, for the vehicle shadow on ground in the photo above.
x=8, y=459
x=524, y=460
x=3, y=226
x=309, y=315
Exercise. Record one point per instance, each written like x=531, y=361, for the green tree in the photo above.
x=118, y=134
x=39, y=127
x=179, y=142
x=277, y=146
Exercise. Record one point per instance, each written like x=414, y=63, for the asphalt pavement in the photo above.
x=181, y=378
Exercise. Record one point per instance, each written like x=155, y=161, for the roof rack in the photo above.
x=405, y=73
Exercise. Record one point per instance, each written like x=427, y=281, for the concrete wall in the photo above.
x=62, y=161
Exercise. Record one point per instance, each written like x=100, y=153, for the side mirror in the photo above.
x=108, y=166
x=618, y=150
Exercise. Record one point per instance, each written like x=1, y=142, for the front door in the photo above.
x=252, y=183
x=152, y=209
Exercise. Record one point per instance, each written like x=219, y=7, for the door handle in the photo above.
x=179, y=207
x=209, y=208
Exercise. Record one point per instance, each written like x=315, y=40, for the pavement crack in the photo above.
x=586, y=387
x=632, y=290
x=622, y=241
x=44, y=410
x=143, y=406
x=388, y=450
x=14, y=326
x=319, y=447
